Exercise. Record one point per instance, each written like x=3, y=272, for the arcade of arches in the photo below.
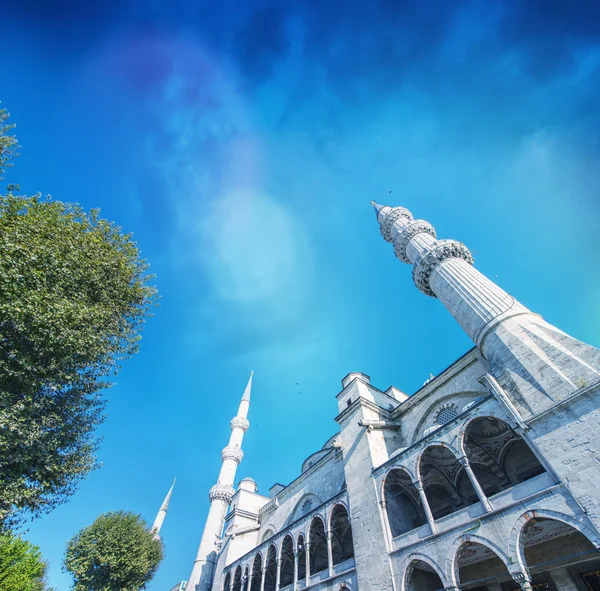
x=323, y=551
x=557, y=556
x=496, y=458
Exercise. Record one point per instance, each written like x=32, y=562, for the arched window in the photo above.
x=440, y=472
x=271, y=569
x=318, y=546
x=301, y=558
x=237, y=579
x=286, y=576
x=403, y=506
x=342, y=546
x=227, y=582
x=500, y=457
x=256, y=576
x=246, y=581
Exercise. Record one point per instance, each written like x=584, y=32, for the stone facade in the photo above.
x=486, y=478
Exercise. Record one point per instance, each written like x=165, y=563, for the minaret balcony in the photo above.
x=232, y=452
x=240, y=423
x=221, y=492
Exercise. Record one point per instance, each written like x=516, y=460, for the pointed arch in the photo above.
x=318, y=546
x=516, y=542
x=227, y=582
x=440, y=472
x=454, y=554
x=342, y=544
x=503, y=458
x=237, y=579
x=402, y=502
x=271, y=569
x=305, y=505
x=431, y=575
x=286, y=563
x=256, y=573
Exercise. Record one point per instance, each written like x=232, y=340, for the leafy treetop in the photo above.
x=117, y=552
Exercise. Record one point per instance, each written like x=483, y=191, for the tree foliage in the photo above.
x=116, y=553
x=21, y=565
x=8, y=145
x=74, y=294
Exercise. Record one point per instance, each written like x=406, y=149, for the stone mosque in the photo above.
x=486, y=478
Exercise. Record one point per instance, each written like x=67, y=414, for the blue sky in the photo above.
x=242, y=144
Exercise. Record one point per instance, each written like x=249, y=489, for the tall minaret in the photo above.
x=162, y=513
x=532, y=362
x=220, y=496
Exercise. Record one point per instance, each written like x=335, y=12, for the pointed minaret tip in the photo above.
x=248, y=389
x=165, y=504
x=377, y=207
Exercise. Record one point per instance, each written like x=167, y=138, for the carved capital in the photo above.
x=407, y=234
x=240, y=423
x=444, y=250
x=232, y=452
x=221, y=492
x=391, y=218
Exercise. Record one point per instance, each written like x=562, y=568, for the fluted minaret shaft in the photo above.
x=220, y=497
x=162, y=512
x=533, y=360
x=444, y=269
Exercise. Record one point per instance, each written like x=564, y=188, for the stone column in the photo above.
x=563, y=580
x=329, y=553
x=426, y=508
x=478, y=490
x=295, y=584
x=307, y=547
x=278, y=576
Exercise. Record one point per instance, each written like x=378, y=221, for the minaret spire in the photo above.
x=162, y=512
x=535, y=363
x=220, y=496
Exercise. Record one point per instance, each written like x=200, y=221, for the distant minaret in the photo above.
x=162, y=513
x=220, y=496
x=536, y=364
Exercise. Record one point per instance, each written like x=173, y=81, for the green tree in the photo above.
x=21, y=565
x=116, y=553
x=74, y=294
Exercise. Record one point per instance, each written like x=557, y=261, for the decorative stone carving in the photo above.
x=240, y=423
x=230, y=452
x=221, y=492
x=407, y=234
x=442, y=251
x=390, y=219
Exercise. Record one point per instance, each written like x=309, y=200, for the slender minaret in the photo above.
x=220, y=496
x=162, y=512
x=532, y=362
